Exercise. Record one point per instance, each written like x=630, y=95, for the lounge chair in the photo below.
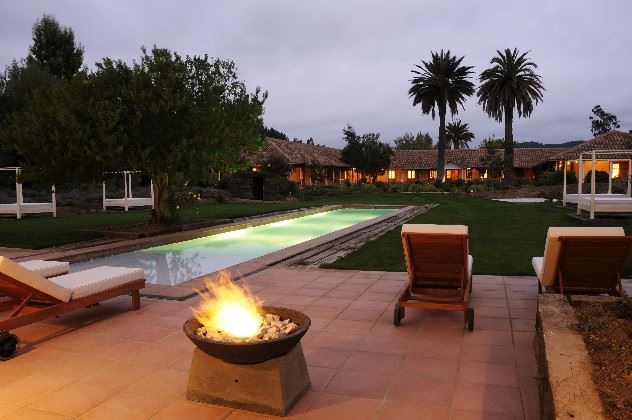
x=47, y=268
x=31, y=297
x=439, y=270
x=583, y=260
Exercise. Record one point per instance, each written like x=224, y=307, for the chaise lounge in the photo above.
x=30, y=297
x=47, y=268
x=439, y=270
x=583, y=260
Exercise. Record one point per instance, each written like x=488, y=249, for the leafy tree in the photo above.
x=275, y=134
x=441, y=83
x=410, y=141
x=366, y=153
x=310, y=141
x=177, y=119
x=54, y=48
x=491, y=158
x=602, y=121
x=277, y=166
x=511, y=83
x=492, y=142
x=458, y=135
x=316, y=173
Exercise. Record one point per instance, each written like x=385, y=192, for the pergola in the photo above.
x=20, y=207
x=600, y=203
x=128, y=200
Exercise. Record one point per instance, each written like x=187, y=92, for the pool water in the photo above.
x=178, y=262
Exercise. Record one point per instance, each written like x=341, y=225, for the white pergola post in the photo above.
x=19, y=198
x=629, y=179
x=103, y=199
x=125, y=189
x=580, y=181
x=129, y=185
x=54, y=203
x=592, y=187
x=151, y=192
x=564, y=188
x=609, y=177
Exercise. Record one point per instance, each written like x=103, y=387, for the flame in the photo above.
x=229, y=308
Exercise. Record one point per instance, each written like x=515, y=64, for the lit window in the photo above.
x=391, y=174
x=411, y=174
x=433, y=174
x=254, y=169
x=616, y=168
x=468, y=172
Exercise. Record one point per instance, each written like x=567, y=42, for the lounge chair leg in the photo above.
x=539, y=287
x=136, y=299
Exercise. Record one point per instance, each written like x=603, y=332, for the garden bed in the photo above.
x=607, y=330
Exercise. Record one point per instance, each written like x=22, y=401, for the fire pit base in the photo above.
x=270, y=387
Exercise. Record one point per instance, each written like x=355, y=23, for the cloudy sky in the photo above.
x=327, y=63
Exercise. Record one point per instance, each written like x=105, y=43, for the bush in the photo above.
x=601, y=177
x=556, y=178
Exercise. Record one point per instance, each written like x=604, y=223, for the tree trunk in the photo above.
x=509, y=146
x=441, y=145
x=160, y=196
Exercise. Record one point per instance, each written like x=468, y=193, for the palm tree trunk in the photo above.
x=509, y=145
x=441, y=145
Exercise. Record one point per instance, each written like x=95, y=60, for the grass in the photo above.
x=503, y=236
x=42, y=232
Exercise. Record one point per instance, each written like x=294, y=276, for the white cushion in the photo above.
x=428, y=228
x=47, y=268
x=23, y=275
x=552, y=246
x=99, y=279
x=470, y=261
x=537, y=263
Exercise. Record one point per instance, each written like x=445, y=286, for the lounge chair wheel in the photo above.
x=470, y=319
x=398, y=314
x=8, y=345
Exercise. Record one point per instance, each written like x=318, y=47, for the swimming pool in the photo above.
x=178, y=262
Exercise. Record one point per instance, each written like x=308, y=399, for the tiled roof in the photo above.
x=298, y=153
x=467, y=158
x=612, y=140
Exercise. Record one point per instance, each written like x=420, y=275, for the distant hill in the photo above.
x=532, y=144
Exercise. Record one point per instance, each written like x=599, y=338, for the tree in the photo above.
x=366, y=153
x=176, y=119
x=458, y=135
x=310, y=141
x=492, y=142
x=510, y=83
x=54, y=48
x=275, y=134
x=602, y=121
x=491, y=159
x=409, y=141
x=439, y=84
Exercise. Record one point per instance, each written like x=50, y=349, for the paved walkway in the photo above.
x=109, y=362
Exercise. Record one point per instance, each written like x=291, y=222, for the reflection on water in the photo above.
x=175, y=263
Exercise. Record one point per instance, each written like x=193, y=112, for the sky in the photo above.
x=329, y=63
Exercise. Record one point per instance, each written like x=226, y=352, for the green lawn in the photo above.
x=42, y=232
x=503, y=236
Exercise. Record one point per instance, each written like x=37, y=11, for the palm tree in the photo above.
x=510, y=83
x=441, y=83
x=458, y=135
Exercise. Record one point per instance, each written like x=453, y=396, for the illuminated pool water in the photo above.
x=178, y=262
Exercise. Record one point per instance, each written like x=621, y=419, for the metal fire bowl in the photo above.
x=254, y=352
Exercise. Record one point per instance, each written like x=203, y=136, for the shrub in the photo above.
x=556, y=178
x=600, y=177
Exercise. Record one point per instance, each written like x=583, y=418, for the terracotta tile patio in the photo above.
x=111, y=362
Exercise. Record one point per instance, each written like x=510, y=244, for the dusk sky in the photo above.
x=329, y=63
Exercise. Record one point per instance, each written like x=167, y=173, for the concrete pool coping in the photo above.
x=186, y=290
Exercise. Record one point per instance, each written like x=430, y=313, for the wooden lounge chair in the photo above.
x=439, y=270
x=47, y=268
x=583, y=260
x=30, y=297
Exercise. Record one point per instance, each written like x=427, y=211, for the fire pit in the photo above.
x=251, y=351
x=247, y=355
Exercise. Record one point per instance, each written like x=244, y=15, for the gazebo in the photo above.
x=20, y=207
